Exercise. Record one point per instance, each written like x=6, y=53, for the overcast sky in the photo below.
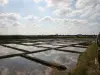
x=32, y=17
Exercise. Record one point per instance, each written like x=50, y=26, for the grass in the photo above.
x=86, y=63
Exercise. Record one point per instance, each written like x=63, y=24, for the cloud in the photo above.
x=9, y=19
x=57, y=3
x=47, y=19
x=62, y=12
x=76, y=13
x=52, y=25
x=11, y=16
x=75, y=21
x=59, y=7
x=87, y=9
x=45, y=25
x=37, y=1
x=3, y=2
x=41, y=8
x=91, y=13
x=83, y=9
x=10, y=23
x=81, y=27
x=32, y=18
x=63, y=21
x=85, y=3
x=72, y=26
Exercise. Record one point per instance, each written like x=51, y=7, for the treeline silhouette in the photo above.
x=2, y=37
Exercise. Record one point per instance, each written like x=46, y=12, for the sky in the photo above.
x=49, y=17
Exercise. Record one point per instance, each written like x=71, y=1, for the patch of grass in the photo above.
x=86, y=64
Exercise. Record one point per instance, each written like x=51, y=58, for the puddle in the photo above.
x=74, y=49
x=21, y=66
x=67, y=59
x=48, y=45
x=7, y=51
x=27, y=48
x=28, y=43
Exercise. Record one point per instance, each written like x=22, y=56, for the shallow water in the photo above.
x=7, y=51
x=19, y=65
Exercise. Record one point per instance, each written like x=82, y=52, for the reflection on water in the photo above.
x=7, y=51
x=28, y=48
x=67, y=59
x=15, y=66
x=74, y=49
x=22, y=66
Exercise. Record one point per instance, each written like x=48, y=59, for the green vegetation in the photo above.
x=86, y=63
x=14, y=37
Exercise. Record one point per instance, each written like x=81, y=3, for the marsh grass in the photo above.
x=86, y=62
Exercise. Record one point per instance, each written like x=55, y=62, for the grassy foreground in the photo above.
x=86, y=63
